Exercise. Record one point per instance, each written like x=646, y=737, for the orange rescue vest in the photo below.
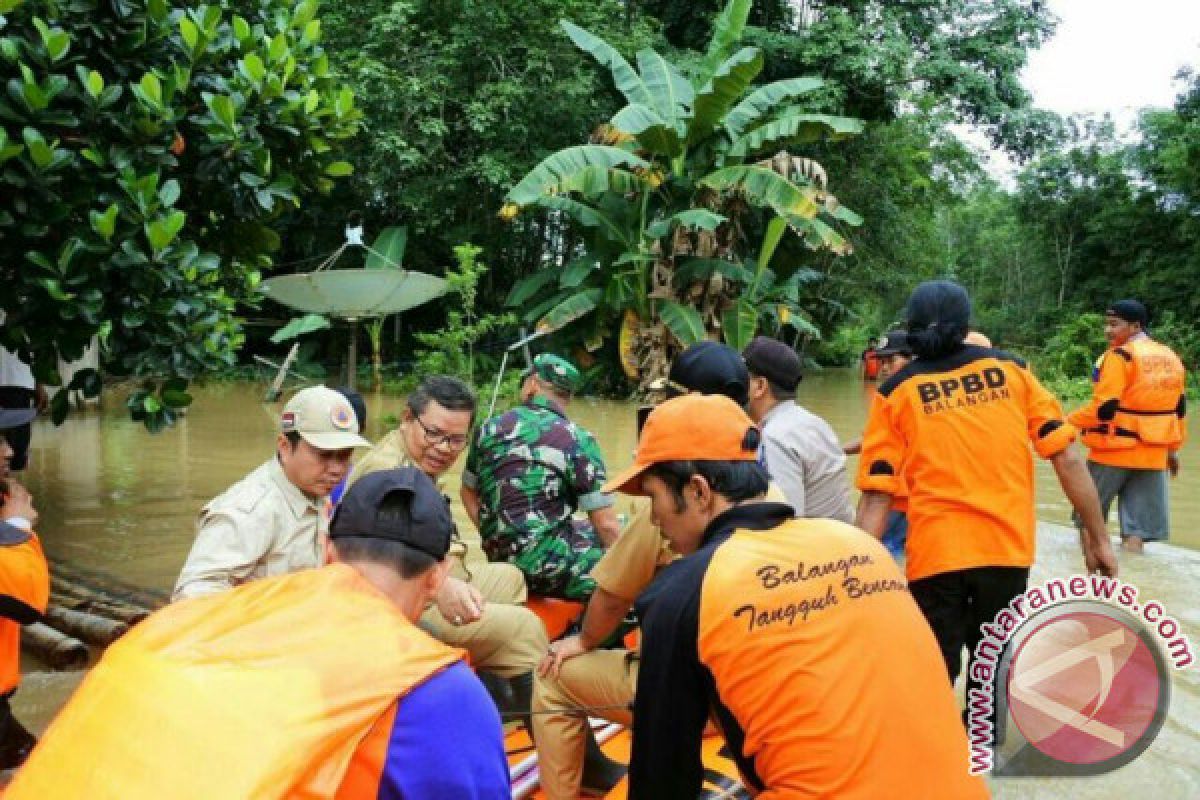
x=24, y=590
x=265, y=691
x=1151, y=409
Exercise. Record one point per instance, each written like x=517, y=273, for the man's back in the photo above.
x=825, y=679
x=802, y=454
x=533, y=469
x=265, y=691
x=960, y=427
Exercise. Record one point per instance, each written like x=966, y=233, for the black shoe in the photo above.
x=17, y=744
x=600, y=773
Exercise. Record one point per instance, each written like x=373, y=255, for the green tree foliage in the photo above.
x=461, y=99
x=963, y=56
x=452, y=350
x=682, y=199
x=146, y=156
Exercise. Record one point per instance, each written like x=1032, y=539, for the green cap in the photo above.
x=556, y=371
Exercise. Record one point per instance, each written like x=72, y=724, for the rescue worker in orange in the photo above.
x=795, y=635
x=313, y=684
x=1134, y=424
x=578, y=671
x=24, y=587
x=956, y=425
x=894, y=355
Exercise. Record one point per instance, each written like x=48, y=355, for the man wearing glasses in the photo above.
x=528, y=472
x=479, y=607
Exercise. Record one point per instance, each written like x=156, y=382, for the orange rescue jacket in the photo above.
x=1136, y=414
x=264, y=691
x=956, y=433
x=24, y=592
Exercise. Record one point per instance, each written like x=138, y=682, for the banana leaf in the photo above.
x=695, y=218
x=762, y=102
x=299, y=326
x=818, y=235
x=700, y=269
x=672, y=93
x=387, y=251
x=576, y=271
x=651, y=130
x=727, y=32
x=627, y=81
x=549, y=176
x=719, y=94
x=583, y=214
x=577, y=305
x=739, y=323
x=525, y=289
x=683, y=321
x=765, y=187
x=797, y=129
x=598, y=180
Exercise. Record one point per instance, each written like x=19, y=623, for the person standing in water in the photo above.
x=1134, y=425
x=955, y=427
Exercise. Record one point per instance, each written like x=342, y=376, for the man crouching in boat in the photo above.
x=796, y=636
x=577, y=672
x=314, y=684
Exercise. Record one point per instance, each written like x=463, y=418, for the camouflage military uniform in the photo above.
x=533, y=468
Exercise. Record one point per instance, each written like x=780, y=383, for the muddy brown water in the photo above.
x=118, y=500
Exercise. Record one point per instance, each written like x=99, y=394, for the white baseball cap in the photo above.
x=323, y=418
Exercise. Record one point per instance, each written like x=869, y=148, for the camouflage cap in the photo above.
x=556, y=371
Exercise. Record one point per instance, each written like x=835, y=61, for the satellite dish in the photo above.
x=354, y=293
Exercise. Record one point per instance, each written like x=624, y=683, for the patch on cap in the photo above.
x=882, y=343
x=288, y=421
x=343, y=418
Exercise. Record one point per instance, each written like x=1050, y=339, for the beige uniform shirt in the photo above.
x=390, y=453
x=631, y=562
x=261, y=526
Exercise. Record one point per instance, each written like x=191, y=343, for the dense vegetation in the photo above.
x=460, y=101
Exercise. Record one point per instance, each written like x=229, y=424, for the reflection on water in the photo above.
x=116, y=499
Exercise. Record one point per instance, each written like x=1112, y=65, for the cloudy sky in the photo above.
x=1114, y=55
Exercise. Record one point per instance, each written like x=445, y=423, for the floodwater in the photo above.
x=117, y=500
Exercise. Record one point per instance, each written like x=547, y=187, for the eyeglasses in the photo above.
x=436, y=438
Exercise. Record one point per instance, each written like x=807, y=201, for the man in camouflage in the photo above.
x=527, y=473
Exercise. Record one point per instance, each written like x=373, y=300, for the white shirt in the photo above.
x=14, y=371
x=802, y=455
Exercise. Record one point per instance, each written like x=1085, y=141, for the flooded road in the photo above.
x=118, y=500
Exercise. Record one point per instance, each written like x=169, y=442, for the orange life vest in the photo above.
x=1151, y=409
x=25, y=590
x=264, y=691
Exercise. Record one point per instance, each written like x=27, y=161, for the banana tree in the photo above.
x=681, y=199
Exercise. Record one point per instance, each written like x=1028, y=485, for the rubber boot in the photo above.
x=600, y=773
x=15, y=742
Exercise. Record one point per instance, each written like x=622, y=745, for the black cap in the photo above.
x=893, y=342
x=16, y=417
x=427, y=526
x=1129, y=310
x=773, y=360
x=710, y=368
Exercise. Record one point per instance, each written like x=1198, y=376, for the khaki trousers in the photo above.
x=600, y=679
x=508, y=639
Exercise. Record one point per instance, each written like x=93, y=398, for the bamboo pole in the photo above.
x=130, y=615
x=86, y=627
x=105, y=586
x=56, y=649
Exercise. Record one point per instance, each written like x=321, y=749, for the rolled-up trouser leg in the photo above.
x=598, y=680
